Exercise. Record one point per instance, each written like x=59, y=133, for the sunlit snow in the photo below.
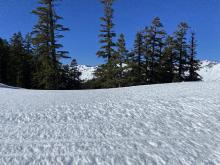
x=160, y=124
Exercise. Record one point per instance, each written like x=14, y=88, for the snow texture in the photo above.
x=170, y=124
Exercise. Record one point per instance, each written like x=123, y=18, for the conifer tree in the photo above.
x=156, y=34
x=28, y=44
x=122, y=56
x=45, y=39
x=107, y=34
x=71, y=76
x=19, y=71
x=146, y=54
x=193, y=62
x=28, y=62
x=137, y=59
x=4, y=61
x=107, y=73
x=168, y=62
x=74, y=75
x=16, y=64
x=181, y=50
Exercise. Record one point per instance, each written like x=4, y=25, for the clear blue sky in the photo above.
x=82, y=17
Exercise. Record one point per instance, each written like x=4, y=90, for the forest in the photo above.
x=34, y=60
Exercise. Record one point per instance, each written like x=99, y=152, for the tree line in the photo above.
x=34, y=61
x=156, y=56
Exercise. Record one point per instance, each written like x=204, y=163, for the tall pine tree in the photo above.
x=193, y=62
x=46, y=34
x=168, y=62
x=156, y=37
x=136, y=63
x=122, y=57
x=107, y=34
x=107, y=73
x=181, y=46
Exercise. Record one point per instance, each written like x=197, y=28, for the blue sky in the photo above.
x=82, y=17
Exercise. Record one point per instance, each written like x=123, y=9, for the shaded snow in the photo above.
x=6, y=86
x=160, y=124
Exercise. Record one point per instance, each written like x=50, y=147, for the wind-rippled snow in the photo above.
x=160, y=124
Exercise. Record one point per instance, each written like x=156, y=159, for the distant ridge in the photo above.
x=209, y=71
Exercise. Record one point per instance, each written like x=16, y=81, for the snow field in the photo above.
x=160, y=124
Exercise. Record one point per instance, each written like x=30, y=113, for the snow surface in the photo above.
x=210, y=71
x=87, y=72
x=6, y=86
x=173, y=124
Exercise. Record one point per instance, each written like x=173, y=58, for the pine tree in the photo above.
x=147, y=53
x=19, y=68
x=4, y=61
x=136, y=63
x=74, y=75
x=107, y=73
x=28, y=44
x=28, y=62
x=16, y=64
x=156, y=34
x=71, y=76
x=168, y=62
x=65, y=78
x=181, y=50
x=193, y=62
x=45, y=39
x=122, y=55
x=107, y=34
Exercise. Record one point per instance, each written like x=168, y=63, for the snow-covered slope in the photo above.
x=87, y=72
x=210, y=71
x=6, y=86
x=168, y=124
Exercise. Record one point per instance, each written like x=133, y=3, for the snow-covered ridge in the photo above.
x=210, y=71
x=87, y=72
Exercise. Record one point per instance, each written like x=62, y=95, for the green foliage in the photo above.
x=33, y=61
x=156, y=57
x=181, y=46
x=4, y=61
x=167, y=62
x=136, y=61
x=19, y=71
x=47, y=49
x=155, y=40
x=121, y=61
x=71, y=76
x=107, y=75
x=107, y=33
x=193, y=62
